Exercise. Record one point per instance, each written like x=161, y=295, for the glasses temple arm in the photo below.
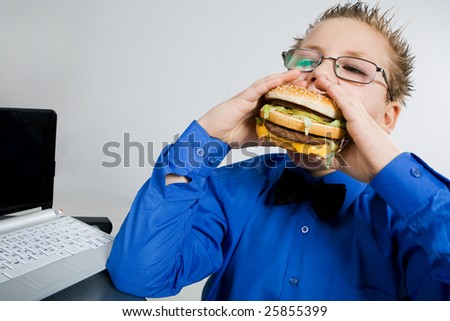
x=383, y=73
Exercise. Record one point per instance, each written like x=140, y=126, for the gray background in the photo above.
x=140, y=71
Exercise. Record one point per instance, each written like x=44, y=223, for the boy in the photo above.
x=388, y=241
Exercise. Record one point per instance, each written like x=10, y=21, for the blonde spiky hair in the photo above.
x=401, y=60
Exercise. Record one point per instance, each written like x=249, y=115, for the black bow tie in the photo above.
x=326, y=199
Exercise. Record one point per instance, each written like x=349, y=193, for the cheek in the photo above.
x=375, y=107
x=376, y=111
x=372, y=100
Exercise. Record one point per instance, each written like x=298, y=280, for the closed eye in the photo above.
x=353, y=70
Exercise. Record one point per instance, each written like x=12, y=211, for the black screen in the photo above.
x=27, y=158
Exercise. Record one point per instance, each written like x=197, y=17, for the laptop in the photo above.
x=42, y=251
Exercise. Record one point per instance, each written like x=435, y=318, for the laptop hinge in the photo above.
x=13, y=223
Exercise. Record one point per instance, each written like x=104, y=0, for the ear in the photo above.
x=391, y=114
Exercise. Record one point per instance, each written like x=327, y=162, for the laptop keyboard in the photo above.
x=30, y=248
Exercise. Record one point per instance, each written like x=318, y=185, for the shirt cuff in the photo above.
x=195, y=152
x=407, y=183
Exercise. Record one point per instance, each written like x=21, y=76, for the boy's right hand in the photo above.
x=233, y=121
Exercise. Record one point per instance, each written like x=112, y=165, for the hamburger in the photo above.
x=302, y=121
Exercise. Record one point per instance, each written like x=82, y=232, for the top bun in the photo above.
x=307, y=98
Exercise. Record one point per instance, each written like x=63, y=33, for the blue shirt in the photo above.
x=390, y=240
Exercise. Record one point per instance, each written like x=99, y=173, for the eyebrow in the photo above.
x=350, y=53
x=358, y=54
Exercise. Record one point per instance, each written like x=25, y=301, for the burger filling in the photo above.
x=321, y=147
x=303, y=113
x=290, y=134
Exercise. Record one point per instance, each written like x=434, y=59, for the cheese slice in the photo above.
x=261, y=130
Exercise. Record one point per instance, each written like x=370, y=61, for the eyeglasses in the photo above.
x=353, y=69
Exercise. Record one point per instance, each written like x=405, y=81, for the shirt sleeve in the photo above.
x=421, y=197
x=170, y=239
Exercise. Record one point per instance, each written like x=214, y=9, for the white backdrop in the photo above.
x=128, y=73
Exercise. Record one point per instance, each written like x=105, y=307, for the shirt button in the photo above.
x=200, y=152
x=293, y=281
x=304, y=229
x=415, y=172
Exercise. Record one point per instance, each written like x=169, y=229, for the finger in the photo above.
x=351, y=107
x=259, y=88
x=338, y=94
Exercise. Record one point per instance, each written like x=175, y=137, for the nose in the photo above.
x=324, y=70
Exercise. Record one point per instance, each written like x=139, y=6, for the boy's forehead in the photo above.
x=343, y=36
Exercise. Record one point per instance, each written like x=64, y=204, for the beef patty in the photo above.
x=292, y=135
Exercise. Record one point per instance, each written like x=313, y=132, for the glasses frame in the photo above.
x=284, y=55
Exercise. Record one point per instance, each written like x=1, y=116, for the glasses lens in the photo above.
x=355, y=69
x=305, y=60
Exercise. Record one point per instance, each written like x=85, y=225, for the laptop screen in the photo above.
x=27, y=159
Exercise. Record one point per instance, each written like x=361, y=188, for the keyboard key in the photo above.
x=62, y=253
x=32, y=265
x=73, y=249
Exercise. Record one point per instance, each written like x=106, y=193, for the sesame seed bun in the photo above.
x=307, y=98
